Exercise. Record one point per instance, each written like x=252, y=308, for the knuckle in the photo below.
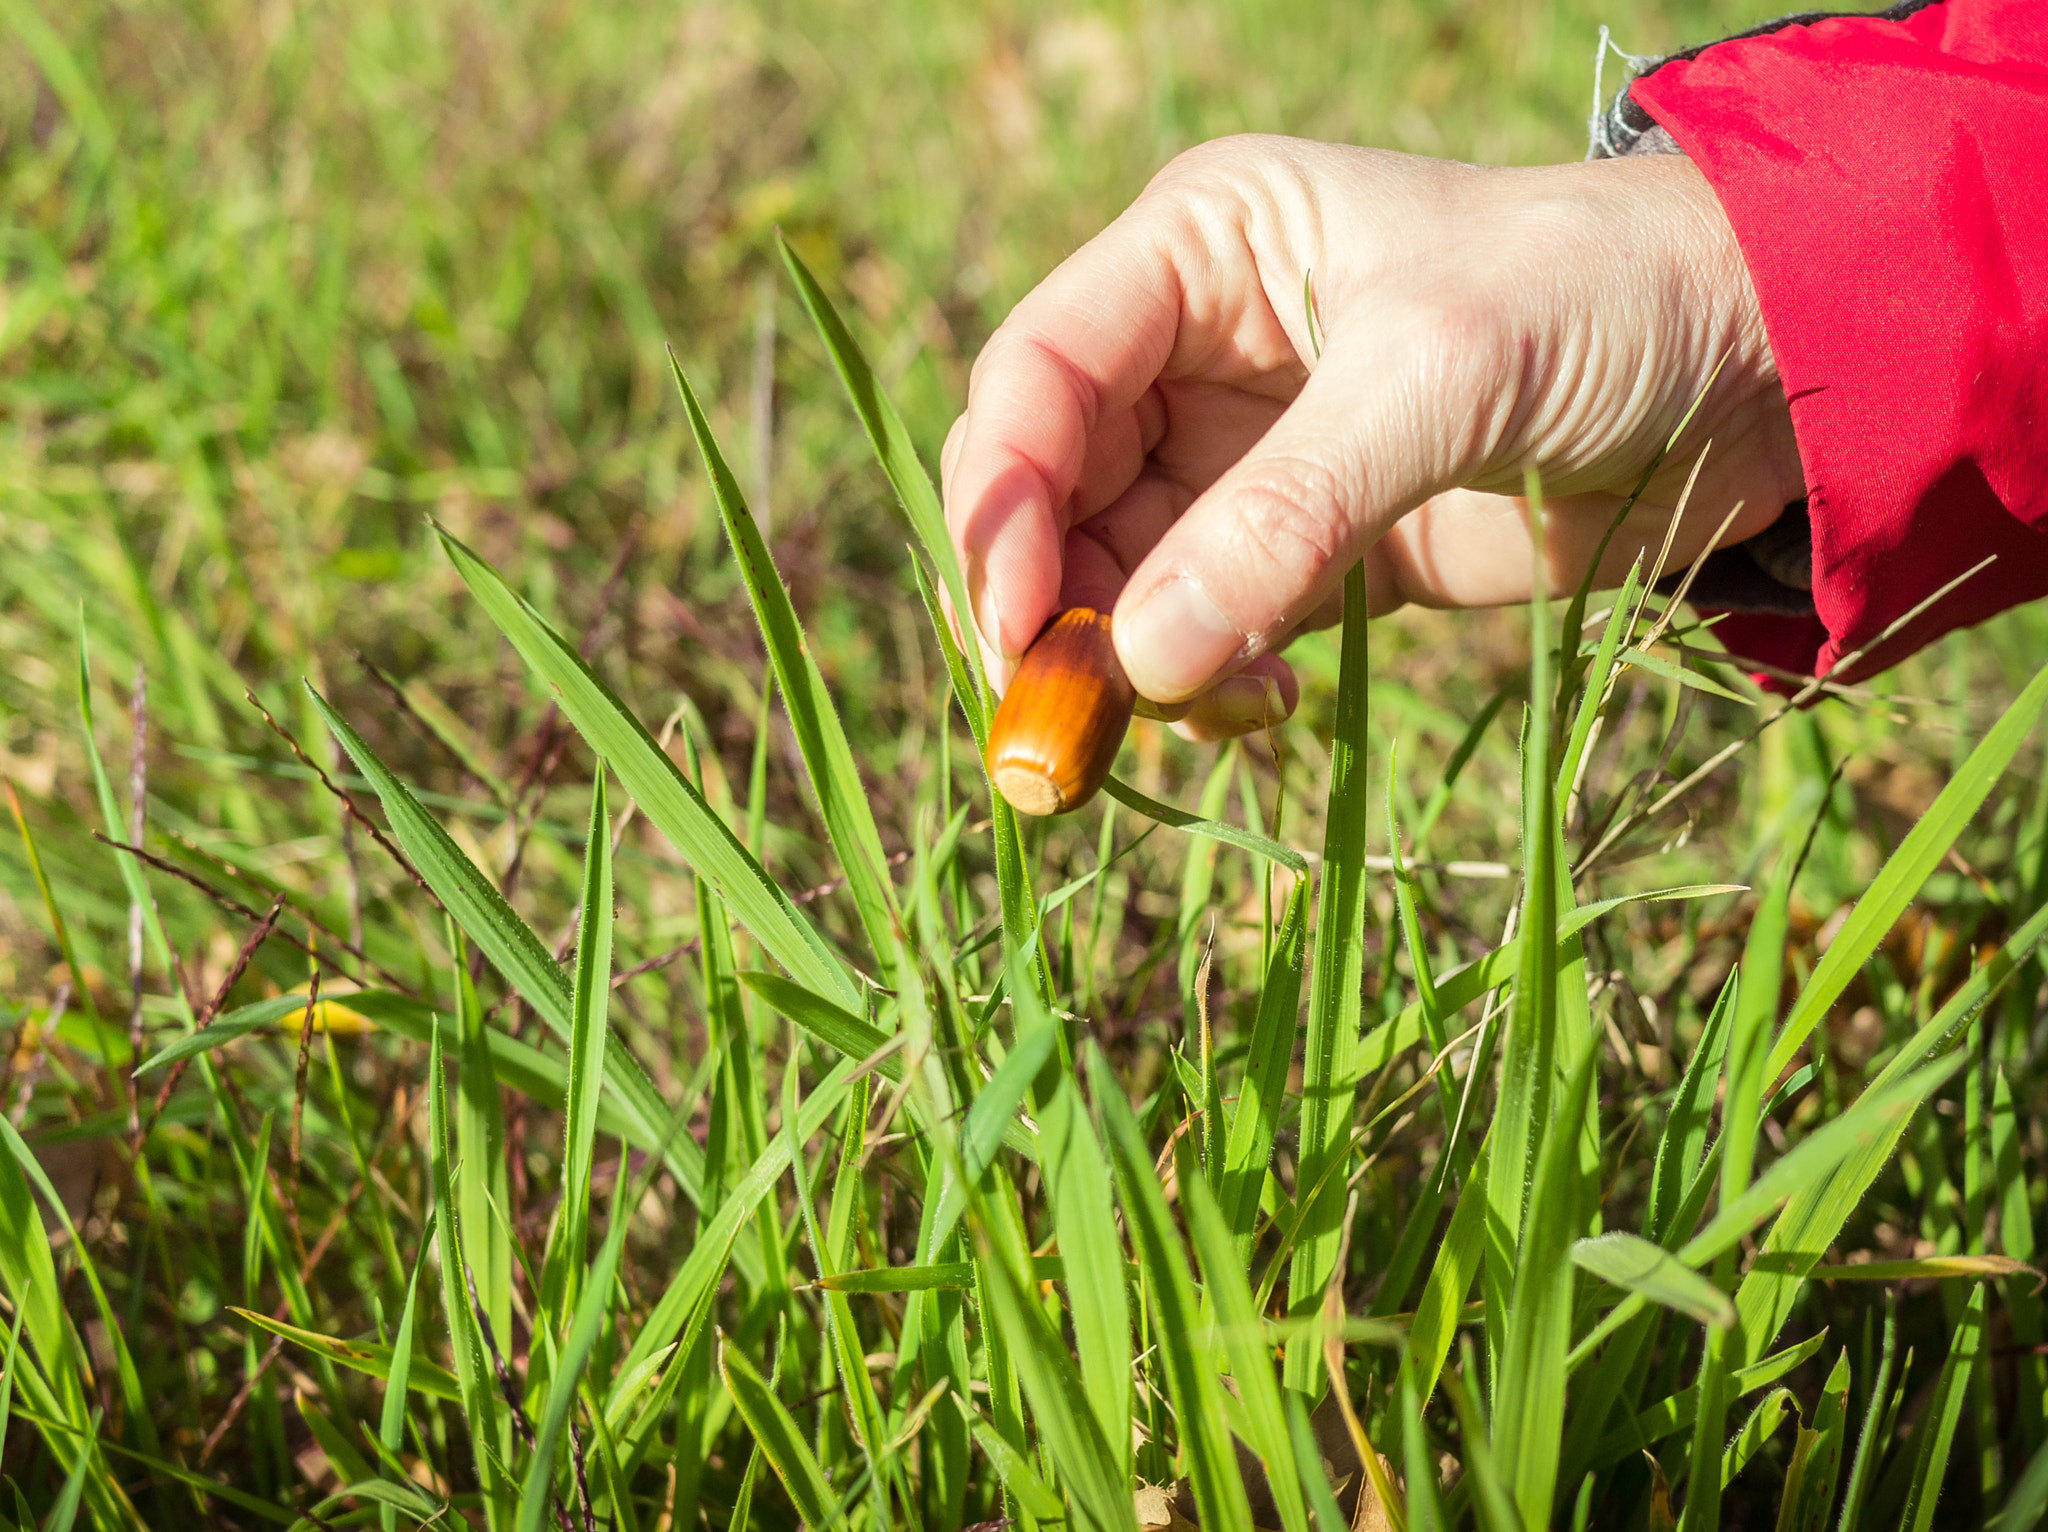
x=1291, y=517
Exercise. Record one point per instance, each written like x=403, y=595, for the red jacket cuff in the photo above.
x=1884, y=180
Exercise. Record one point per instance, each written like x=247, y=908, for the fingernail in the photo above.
x=988, y=617
x=1250, y=702
x=1175, y=640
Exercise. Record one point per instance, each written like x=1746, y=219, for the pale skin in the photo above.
x=1152, y=433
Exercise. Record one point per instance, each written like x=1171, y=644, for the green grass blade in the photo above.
x=483, y=1188
x=1014, y=1469
x=1242, y=1340
x=7, y=1367
x=1425, y=1506
x=1937, y=1429
x=132, y=1398
x=592, y=1305
x=1454, y=765
x=32, y=1288
x=1417, y=946
x=1496, y=1507
x=1458, y=1259
x=228, y=1028
x=1667, y=1417
x=472, y=1369
x=2027, y=1502
x=964, y=691
x=1809, y=1492
x=781, y=1443
x=1597, y=675
x=391, y=1420
x=64, y=1510
x=1871, y=1438
x=1761, y=1426
x=1529, y=1043
x=1077, y=1188
x=887, y=435
x=1907, y=869
x=1851, y=1147
x=1329, y=1072
x=842, y=797
x=668, y=799
x=589, y=1045
x=1528, y=1415
x=1190, y=1364
x=682, y=1305
x=1249, y=1148
x=508, y=942
x=854, y=1039
x=1726, y=1350
x=1816, y=1213
x=1088, y=1466
x=1635, y=1265
x=371, y=1358
x=1209, y=829
x=1684, y=1140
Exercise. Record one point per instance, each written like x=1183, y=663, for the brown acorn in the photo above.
x=1058, y=727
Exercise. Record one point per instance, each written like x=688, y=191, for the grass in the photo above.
x=671, y=1091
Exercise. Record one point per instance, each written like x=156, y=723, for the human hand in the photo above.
x=1152, y=433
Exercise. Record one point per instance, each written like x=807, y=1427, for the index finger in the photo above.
x=1073, y=359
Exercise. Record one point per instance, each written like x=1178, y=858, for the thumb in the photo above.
x=1373, y=433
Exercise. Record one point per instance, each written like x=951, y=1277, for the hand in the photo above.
x=1152, y=433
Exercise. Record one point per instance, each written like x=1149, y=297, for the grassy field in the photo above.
x=792, y=1135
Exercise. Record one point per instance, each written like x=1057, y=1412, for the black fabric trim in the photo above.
x=1634, y=121
x=1751, y=576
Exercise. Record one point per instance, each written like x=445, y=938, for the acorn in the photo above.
x=1057, y=730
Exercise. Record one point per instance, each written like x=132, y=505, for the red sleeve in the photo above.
x=1888, y=183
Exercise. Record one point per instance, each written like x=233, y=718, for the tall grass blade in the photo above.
x=511, y=947
x=1497, y=1508
x=781, y=1443
x=1249, y=1148
x=1528, y=1412
x=886, y=434
x=682, y=1307
x=1669, y=1416
x=1458, y=1259
x=579, y=1340
x=561, y=1279
x=2027, y=1501
x=1077, y=1183
x=1529, y=1046
x=483, y=1190
x=1809, y=1492
x=472, y=1369
x=842, y=796
x=1090, y=1469
x=668, y=799
x=1937, y=1430
x=1020, y=1480
x=1329, y=1072
x=1755, y=1009
x=391, y=1419
x=1761, y=1426
x=64, y=1510
x=1242, y=1341
x=1190, y=1364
